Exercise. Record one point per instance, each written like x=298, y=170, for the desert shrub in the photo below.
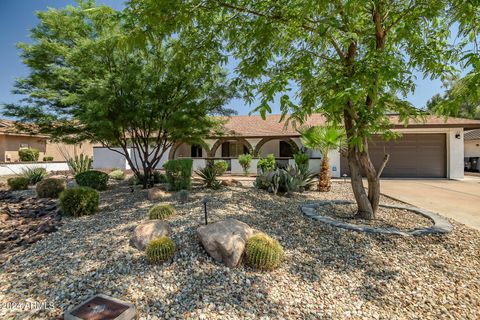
x=182, y=196
x=79, y=164
x=301, y=159
x=117, y=175
x=28, y=154
x=290, y=179
x=48, y=158
x=18, y=183
x=34, y=174
x=179, y=174
x=93, y=179
x=245, y=161
x=161, y=211
x=159, y=177
x=267, y=164
x=209, y=175
x=160, y=249
x=79, y=201
x=221, y=166
x=50, y=188
x=263, y=252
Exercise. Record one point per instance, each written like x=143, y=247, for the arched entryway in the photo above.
x=230, y=147
x=185, y=150
x=279, y=147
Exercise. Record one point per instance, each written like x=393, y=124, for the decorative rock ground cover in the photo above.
x=327, y=272
x=24, y=220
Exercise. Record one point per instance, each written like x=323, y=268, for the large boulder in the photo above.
x=225, y=240
x=147, y=231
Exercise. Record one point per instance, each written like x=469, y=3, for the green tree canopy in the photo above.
x=350, y=60
x=88, y=82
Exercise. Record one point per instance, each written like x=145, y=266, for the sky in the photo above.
x=17, y=17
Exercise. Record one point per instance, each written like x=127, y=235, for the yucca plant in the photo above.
x=323, y=139
x=263, y=252
x=34, y=174
x=160, y=249
x=209, y=174
x=79, y=164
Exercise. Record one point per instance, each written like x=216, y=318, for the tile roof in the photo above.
x=255, y=126
x=472, y=135
x=8, y=127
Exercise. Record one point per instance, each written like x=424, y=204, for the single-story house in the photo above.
x=428, y=148
x=472, y=150
x=11, y=140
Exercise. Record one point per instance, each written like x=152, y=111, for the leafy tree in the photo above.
x=350, y=60
x=463, y=95
x=323, y=139
x=88, y=82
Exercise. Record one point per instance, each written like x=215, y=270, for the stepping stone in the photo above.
x=102, y=307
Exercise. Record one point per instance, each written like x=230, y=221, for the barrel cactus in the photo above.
x=263, y=252
x=161, y=211
x=160, y=249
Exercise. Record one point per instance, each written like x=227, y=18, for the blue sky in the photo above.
x=17, y=17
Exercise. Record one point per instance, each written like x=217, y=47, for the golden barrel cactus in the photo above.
x=161, y=211
x=160, y=249
x=263, y=252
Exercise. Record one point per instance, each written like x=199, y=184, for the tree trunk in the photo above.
x=324, y=181
x=365, y=209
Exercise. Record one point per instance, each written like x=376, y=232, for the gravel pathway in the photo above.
x=328, y=273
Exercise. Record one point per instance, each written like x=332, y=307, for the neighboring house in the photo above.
x=11, y=140
x=472, y=150
x=432, y=148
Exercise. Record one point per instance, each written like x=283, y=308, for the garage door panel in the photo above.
x=411, y=156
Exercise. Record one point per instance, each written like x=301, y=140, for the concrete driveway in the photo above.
x=456, y=199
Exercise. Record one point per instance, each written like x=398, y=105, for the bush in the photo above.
x=35, y=174
x=161, y=211
x=93, y=179
x=79, y=164
x=157, y=176
x=245, y=161
x=160, y=249
x=179, y=174
x=48, y=158
x=221, y=166
x=117, y=175
x=79, y=201
x=50, y=188
x=18, y=183
x=28, y=154
x=301, y=159
x=267, y=164
x=263, y=252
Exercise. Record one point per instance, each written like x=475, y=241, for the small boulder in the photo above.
x=225, y=240
x=155, y=194
x=147, y=231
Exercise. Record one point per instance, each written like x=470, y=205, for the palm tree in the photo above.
x=323, y=139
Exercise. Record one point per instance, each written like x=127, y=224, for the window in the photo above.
x=286, y=149
x=23, y=146
x=196, y=151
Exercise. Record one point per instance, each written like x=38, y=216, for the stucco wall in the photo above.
x=9, y=145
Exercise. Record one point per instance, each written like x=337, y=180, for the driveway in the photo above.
x=455, y=199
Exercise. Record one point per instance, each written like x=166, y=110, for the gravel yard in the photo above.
x=385, y=217
x=328, y=273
